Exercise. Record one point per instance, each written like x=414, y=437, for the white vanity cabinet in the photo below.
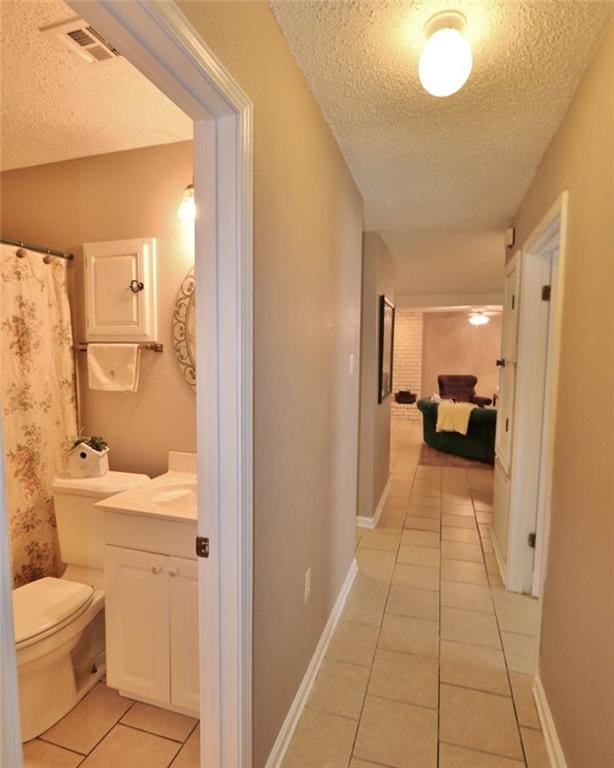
x=152, y=611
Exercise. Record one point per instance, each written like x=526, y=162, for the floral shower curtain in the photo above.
x=37, y=387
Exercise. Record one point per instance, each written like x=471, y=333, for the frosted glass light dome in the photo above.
x=187, y=207
x=445, y=62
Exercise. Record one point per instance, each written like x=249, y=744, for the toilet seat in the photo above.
x=43, y=607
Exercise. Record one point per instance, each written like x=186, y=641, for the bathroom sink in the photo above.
x=175, y=496
x=172, y=496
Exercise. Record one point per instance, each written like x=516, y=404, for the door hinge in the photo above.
x=202, y=546
x=532, y=539
x=507, y=425
x=513, y=300
x=546, y=292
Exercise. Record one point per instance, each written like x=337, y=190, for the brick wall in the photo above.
x=407, y=361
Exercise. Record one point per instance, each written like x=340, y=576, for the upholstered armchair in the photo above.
x=460, y=387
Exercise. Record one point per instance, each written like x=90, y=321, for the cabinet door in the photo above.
x=183, y=582
x=117, y=308
x=137, y=610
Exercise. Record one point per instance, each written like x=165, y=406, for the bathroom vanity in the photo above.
x=151, y=583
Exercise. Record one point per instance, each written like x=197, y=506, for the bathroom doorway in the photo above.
x=157, y=40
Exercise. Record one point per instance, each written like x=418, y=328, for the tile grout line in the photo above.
x=379, y=631
x=87, y=754
x=507, y=669
x=438, y=757
x=170, y=765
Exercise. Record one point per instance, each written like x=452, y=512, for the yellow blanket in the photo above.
x=453, y=417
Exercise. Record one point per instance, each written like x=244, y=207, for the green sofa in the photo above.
x=478, y=443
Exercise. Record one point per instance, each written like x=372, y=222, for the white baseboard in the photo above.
x=362, y=521
x=551, y=737
x=498, y=555
x=365, y=522
x=289, y=725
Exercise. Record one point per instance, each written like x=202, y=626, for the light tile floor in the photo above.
x=106, y=729
x=431, y=663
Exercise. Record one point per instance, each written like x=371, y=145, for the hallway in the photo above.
x=432, y=660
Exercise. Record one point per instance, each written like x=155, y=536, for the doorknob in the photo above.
x=136, y=286
x=501, y=362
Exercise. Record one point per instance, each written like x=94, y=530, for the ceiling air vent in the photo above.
x=78, y=37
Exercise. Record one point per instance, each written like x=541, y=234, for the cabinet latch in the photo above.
x=202, y=546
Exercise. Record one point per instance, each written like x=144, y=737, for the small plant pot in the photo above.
x=84, y=461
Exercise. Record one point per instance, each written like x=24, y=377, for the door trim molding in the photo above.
x=522, y=516
x=160, y=41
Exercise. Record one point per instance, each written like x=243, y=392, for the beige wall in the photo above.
x=374, y=441
x=407, y=368
x=307, y=265
x=576, y=655
x=110, y=197
x=445, y=269
x=452, y=345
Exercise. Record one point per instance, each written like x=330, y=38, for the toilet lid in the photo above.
x=47, y=603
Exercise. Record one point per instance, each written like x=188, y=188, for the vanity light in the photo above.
x=446, y=59
x=187, y=208
x=479, y=318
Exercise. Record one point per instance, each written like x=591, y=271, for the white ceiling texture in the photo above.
x=56, y=106
x=442, y=177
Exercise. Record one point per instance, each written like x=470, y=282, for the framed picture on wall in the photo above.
x=386, y=343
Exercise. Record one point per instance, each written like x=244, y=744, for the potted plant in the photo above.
x=88, y=457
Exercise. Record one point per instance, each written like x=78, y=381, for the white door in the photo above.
x=120, y=290
x=183, y=580
x=507, y=362
x=137, y=606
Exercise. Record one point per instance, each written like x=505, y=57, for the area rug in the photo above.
x=434, y=458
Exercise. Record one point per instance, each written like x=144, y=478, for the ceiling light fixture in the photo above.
x=446, y=59
x=187, y=208
x=479, y=318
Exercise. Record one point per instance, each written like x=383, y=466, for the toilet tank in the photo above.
x=79, y=522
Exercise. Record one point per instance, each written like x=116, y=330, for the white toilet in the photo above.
x=59, y=623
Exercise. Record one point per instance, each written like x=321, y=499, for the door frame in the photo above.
x=522, y=559
x=160, y=42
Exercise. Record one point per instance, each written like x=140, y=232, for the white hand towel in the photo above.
x=113, y=367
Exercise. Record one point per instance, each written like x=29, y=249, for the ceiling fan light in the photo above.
x=445, y=62
x=479, y=318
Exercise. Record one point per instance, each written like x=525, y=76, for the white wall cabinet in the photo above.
x=121, y=290
x=152, y=627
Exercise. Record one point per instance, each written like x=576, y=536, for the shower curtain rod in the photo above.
x=38, y=248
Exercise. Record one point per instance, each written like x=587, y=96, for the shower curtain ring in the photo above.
x=20, y=253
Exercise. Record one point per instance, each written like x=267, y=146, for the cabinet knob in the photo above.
x=156, y=570
x=173, y=572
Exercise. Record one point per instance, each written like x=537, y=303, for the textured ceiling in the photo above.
x=460, y=163
x=56, y=106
